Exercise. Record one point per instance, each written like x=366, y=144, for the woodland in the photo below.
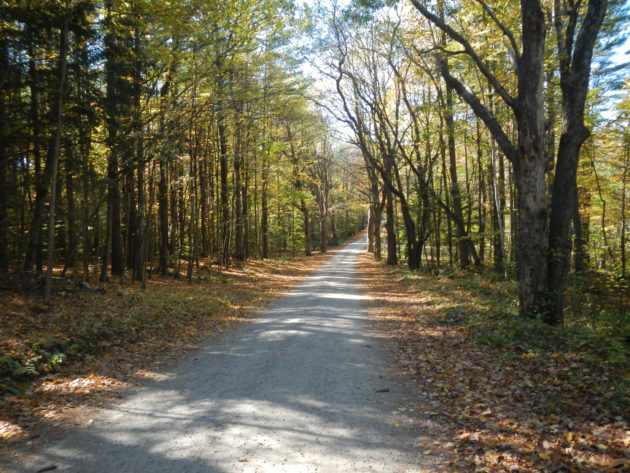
x=151, y=140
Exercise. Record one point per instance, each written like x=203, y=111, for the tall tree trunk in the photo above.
x=140, y=243
x=370, y=228
x=85, y=220
x=390, y=224
x=224, y=203
x=112, y=108
x=482, y=194
x=239, y=208
x=73, y=236
x=498, y=206
x=203, y=209
x=447, y=194
x=4, y=222
x=529, y=168
x=624, y=200
x=53, y=153
x=575, y=68
x=374, y=217
x=323, y=222
x=264, y=210
x=163, y=197
x=246, y=216
x=137, y=251
x=378, y=241
x=117, y=248
x=456, y=198
x=163, y=215
x=307, y=224
x=32, y=255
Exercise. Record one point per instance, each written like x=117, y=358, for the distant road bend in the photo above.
x=296, y=390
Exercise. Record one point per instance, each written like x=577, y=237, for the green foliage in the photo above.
x=216, y=278
x=487, y=309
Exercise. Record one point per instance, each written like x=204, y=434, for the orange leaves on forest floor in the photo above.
x=507, y=410
x=86, y=348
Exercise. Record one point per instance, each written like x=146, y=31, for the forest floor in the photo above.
x=516, y=396
x=85, y=350
x=309, y=385
x=512, y=395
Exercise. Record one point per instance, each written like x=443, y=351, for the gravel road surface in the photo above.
x=306, y=387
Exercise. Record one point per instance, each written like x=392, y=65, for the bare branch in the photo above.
x=502, y=27
x=436, y=20
x=480, y=110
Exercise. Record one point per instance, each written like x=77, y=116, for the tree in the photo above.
x=528, y=155
x=576, y=34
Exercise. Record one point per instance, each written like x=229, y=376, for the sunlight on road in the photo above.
x=302, y=389
x=329, y=295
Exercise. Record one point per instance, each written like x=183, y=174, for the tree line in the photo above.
x=482, y=137
x=141, y=137
x=144, y=136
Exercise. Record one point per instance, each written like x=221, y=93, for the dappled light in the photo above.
x=82, y=385
x=328, y=236
x=299, y=389
x=508, y=407
x=178, y=317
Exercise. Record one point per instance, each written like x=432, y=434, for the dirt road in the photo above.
x=306, y=387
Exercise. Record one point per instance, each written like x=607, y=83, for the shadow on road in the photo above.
x=295, y=390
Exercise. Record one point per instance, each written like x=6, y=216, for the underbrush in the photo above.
x=596, y=336
x=514, y=394
x=79, y=327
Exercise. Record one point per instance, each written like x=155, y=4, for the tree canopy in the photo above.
x=141, y=137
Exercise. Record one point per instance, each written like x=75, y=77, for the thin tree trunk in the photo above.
x=264, y=210
x=239, y=209
x=390, y=224
x=113, y=97
x=53, y=155
x=163, y=215
x=498, y=222
x=4, y=222
x=224, y=203
x=624, y=197
x=323, y=217
x=307, y=231
x=73, y=236
x=456, y=199
x=32, y=256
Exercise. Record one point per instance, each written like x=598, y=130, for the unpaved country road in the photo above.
x=294, y=391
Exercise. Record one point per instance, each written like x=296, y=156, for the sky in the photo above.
x=620, y=56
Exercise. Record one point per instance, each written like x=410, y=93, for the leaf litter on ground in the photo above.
x=59, y=363
x=514, y=396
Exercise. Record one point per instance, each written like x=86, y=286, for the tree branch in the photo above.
x=437, y=21
x=583, y=51
x=480, y=110
x=502, y=27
